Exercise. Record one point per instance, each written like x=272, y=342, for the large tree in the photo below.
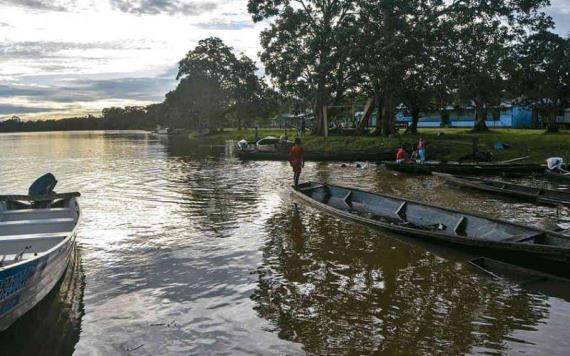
x=483, y=36
x=309, y=48
x=543, y=75
x=214, y=84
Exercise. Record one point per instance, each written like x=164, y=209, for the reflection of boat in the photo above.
x=531, y=279
x=537, y=195
x=513, y=242
x=167, y=131
x=466, y=168
x=37, y=238
x=54, y=324
x=558, y=175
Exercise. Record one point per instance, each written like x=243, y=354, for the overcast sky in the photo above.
x=60, y=58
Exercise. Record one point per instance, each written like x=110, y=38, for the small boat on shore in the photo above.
x=466, y=168
x=531, y=194
x=519, y=244
x=558, y=175
x=37, y=240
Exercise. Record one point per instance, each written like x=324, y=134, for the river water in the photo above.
x=184, y=249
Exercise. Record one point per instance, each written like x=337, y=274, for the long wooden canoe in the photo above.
x=559, y=176
x=527, y=278
x=37, y=240
x=466, y=168
x=346, y=156
x=523, y=192
x=537, y=248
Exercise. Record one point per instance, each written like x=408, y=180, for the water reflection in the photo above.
x=337, y=287
x=52, y=327
x=189, y=251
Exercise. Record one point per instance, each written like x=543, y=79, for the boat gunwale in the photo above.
x=545, y=249
x=68, y=235
x=480, y=184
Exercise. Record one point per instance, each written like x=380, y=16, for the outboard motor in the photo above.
x=43, y=185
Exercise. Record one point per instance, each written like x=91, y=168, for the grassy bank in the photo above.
x=533, y=143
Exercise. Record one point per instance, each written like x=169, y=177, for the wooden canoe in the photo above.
x=466, y=168
x=535, y=247
x=36, y=245
x=523, y=192
x=557, y=175
x=546, y=283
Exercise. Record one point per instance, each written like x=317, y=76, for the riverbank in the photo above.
x=458, y=142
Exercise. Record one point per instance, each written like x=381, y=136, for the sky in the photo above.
x=63, y=58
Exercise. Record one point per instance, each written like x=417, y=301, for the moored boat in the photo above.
x=558, y=175
x=527, y=278
x=37, y=238
x=466, y=168
x=515, y=243
x=518, y=191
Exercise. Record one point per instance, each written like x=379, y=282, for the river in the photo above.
x=184, y=249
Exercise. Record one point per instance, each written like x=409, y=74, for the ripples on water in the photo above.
x=185, y=250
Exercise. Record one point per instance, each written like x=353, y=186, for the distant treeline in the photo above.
x=128, y=118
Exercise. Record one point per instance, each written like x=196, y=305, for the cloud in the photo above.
x=34, y=49
x=154, y=7
x=220, y=24
x=45, y=5
x=560, y=12
x=137, y=89
x=8, y=109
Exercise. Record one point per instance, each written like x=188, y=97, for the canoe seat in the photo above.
x=460, y=227
x=348, y=199
x=401, y=211
x=524, y=237
x=36, y=222
x=49, y=235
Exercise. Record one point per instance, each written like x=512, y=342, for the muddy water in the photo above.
x=187, y=250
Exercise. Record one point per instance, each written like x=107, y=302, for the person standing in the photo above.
x=296, y=160
x=422, y=149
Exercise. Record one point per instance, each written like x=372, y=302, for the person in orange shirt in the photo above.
x=296, y=160
x=401, y=155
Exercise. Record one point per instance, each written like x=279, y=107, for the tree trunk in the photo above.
x=415, y=119
x=551, y=124
x=368, y=108
x=379, y=102
x=388, y=116
x=480, y=118
x=534, y=121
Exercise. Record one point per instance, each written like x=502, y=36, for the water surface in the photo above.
x=187, y=250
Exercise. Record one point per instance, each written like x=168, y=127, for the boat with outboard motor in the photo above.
x=511, y=242
x=37, y=238
x=518, y=191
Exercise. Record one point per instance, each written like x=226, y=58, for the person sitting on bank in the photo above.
x=296, y=160
x=422, y=149
x=401, y=155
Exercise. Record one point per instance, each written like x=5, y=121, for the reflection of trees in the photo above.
x=52, y=327
x=350, y=290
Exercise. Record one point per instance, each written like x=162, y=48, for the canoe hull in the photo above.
x=467, y=169
x=549, y=258
x=26, y=284
x=530, y=194
x=557, y=176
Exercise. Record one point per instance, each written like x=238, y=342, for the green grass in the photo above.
x=533, y=143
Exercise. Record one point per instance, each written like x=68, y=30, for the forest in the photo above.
x=423, y=55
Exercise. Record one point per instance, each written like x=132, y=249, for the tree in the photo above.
x=543, y=75
x=308, y=48
x=483, y=36
x=214, y=82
